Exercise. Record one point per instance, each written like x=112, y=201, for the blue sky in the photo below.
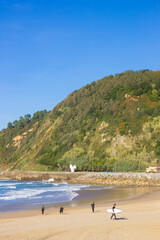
x=49, y=48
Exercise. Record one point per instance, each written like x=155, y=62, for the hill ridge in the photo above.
x=112, y=124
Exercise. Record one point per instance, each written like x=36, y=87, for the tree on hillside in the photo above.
x=15, y=123
x=27, y=116
x=10, y=126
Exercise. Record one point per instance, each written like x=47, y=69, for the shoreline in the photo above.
x=85, y=197
x=80, y=203
x=139, y=220
x=89, y=178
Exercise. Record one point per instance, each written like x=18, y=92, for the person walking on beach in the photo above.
x=61, y=210
x=113, y=213
x=92, y=206
x=42, y=209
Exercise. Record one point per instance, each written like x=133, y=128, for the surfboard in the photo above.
x=116, y=210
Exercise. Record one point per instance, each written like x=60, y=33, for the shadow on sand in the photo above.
x=123, y=218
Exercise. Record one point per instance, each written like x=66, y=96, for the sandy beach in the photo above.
x=140, y=219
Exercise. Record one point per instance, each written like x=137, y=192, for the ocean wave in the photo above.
x=30, y=193
x=6, y=187
x=29, y=183
x=8, y=184
x=25, y=193
x=39, y=191
x=12, y=187
x=48, y=181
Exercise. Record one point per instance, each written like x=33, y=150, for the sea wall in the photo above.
x=119, y=179
x=38, y=176
x=97, y=178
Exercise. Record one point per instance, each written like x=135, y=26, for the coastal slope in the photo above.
x=112, y=124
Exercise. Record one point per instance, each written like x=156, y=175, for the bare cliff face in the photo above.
x=109, y=125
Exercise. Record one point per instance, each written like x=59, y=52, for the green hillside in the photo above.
x=112, y=124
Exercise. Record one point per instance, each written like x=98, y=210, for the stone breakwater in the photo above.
x=119, y=179
x=92, y=178
x=38, y=176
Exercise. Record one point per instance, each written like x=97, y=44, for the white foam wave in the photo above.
x=48, y=181
x=29, y=193
x=12, y=187
x=65, y=183
x=55, y=184
x=67, y=190
x=25, y=193
x=36, y=197
x=57, y=191
x=74, y=195
x=8, y=184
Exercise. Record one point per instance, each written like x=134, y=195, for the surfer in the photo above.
x=61, y=210
x=92, y=206
x=113, y=213
x=42, y=209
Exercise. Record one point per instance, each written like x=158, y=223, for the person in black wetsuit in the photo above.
x=61, y=210
x=113, y=214
x=92, y=206
x=42, y=209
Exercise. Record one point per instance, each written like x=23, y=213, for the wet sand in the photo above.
x=85, y=197
x=140, y=219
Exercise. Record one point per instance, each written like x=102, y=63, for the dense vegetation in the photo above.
x=23, y=121
x=109, y=125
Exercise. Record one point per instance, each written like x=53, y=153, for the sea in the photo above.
x=27, y=195
x=23, y=195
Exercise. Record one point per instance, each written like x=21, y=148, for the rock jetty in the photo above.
x=119, y=179
x=38, y=176
x=93, y=178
